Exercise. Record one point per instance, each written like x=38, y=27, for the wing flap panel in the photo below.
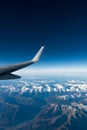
x=9, y=76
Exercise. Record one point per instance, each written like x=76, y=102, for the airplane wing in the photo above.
x=5, y=72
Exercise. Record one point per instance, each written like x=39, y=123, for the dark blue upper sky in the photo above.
x=58, y=24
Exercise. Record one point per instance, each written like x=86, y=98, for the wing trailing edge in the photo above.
x=9, y=76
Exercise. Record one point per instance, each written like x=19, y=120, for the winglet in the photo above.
x=38, y=55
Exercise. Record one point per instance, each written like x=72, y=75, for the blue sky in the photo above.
x=59, y=25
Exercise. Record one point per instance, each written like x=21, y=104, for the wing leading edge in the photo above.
x=5, y=72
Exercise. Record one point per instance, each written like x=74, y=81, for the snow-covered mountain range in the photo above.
x=41, y=86
x=44, y=104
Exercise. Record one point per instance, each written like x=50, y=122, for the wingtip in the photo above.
x=42, y=46
x=38, y=55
